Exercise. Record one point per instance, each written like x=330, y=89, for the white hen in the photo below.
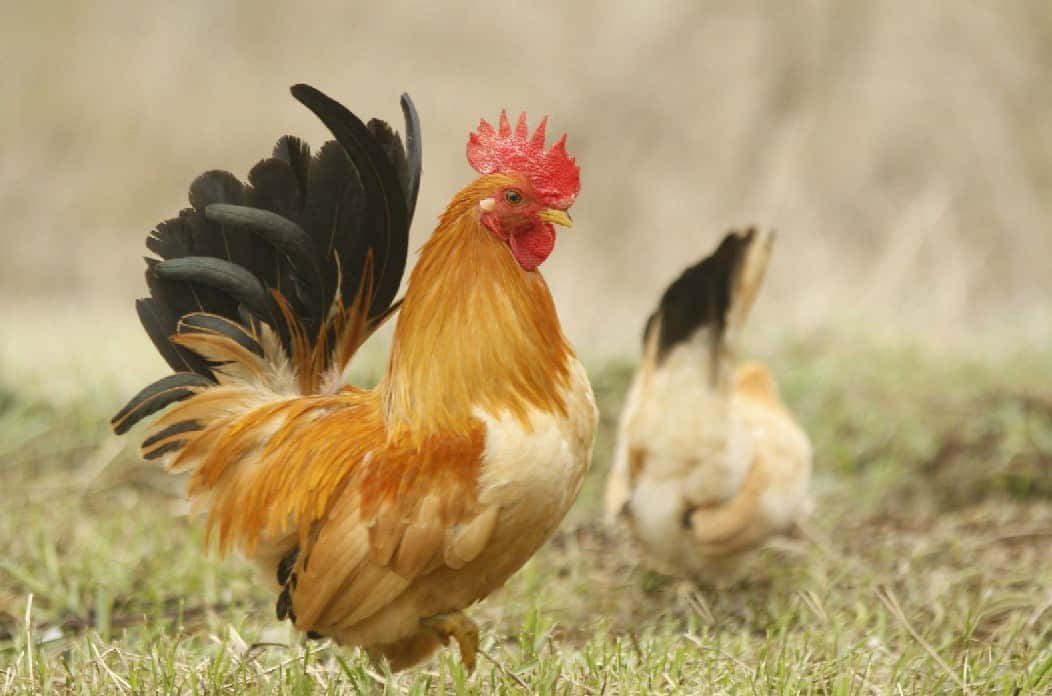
x=709, y=461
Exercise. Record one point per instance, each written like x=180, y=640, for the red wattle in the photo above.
x=533, y=247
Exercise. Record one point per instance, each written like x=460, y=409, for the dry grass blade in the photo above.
x=29, y=636
x=892, y=603
x=504, y=670
x=699, y=605
x=1039, y=612
x=723, y=653
x=100, y=662
x=817, y=538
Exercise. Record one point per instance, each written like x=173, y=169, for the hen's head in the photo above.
x=535, y=189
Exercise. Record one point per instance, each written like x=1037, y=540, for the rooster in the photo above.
x=380, y=514
x=709, y=461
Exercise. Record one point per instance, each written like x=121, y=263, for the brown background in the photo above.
x=902, y=150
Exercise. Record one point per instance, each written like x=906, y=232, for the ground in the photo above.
x=926, y=567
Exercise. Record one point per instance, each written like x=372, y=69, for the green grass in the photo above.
x=927, y=567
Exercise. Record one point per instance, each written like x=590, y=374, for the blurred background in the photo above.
x=902, y=151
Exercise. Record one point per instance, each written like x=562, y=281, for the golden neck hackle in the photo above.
x=475, y=331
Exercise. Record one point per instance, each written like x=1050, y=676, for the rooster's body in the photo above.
x=709, y=461
x=383, y=512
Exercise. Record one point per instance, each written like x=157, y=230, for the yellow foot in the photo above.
x=457, y=625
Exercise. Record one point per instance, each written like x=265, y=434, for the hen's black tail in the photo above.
x=288, y=273
x=710, y=301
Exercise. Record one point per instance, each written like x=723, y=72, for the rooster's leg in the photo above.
x=457, y=625
x=406, y=652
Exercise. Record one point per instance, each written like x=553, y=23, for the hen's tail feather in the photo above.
x=715, y=295
x=294, y=269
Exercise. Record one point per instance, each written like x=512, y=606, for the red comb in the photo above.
x=554, y=174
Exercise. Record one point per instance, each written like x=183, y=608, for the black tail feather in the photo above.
x=235, y=282
x=386, y=210
x=414, y=153
x=302, y=227
x=277, y=188
x=296, y=154
x=217, y=325
x=237, y=245
x=160, y=394
x=181, y=428
x=158, y=452
x=701, y=296
x=160, y=326
x=291, y=241
x=215, y=186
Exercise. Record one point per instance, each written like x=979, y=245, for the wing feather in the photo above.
x=371, y=514
x=421, y=539
x=463, y=545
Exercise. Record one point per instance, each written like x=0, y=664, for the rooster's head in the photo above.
x=531, y=188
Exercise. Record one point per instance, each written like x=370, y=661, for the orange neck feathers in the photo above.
x=475, y=331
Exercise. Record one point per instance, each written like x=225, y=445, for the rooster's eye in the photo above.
x=513, y=197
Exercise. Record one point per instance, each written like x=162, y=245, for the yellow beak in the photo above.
x=556, y=217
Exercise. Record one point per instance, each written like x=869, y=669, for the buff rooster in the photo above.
x=379, y=514
x=709, y=461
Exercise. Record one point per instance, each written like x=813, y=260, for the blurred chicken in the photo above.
x=709, y=462
x=380, y=513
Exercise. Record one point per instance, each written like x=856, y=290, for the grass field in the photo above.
x=925, y=569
